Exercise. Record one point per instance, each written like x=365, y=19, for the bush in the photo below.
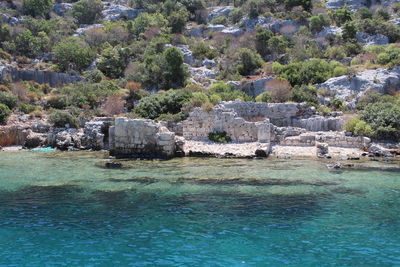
x=87, y=11
x=219, y=137
x=73, y=53
x=5, y=112
x=279, y=90
x=154, y=106
x=113, y=61
x=305, y=93
x=62, y=118
x=309, y=72
x=264, y=97
x=8, y=99
x=27, y=108
x=201, y=51
x=227, y=92
x=248, y=61
x=37, y=7
x=384, y=118
x=359, y=127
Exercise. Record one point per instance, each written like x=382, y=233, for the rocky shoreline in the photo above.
x=248, y=124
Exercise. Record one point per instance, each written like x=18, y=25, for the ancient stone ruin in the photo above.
x=135, y=138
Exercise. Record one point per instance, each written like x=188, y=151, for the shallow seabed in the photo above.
x=61, y=209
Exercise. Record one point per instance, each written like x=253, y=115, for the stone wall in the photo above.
x=332, y=139
x=200, y=123
x=285, y=115
x=136, y=138
x=54, y=79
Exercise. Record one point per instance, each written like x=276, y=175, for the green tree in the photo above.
x=87, y=11
x=177, y=20
x=341, y=16
x=263, y=35
x=175, y=72
x=113, y=61
x=73, y=53
x=248, y=61
x=37, y=8
x=5, y=112
x=349, y=31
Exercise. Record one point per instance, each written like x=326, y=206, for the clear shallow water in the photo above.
x=60, y=209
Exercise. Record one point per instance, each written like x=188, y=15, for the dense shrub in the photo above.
x=248, y=61
x=305, y=93
x=154, y=106
x=87, y=11
x=201, y=51
x=73, y=53
x=62, y=119
x=358, y=127
x=227, y=92
x=113, y=61
x=81, y=94
x=26, y=44
x=309, y=72
x=384, y=118
x=264, y=97
x=8, y=99
x=5, y=112
x=37, y=7
x=27, y=108
x=219, y=137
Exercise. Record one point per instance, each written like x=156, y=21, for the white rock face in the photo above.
x=352, y=4
x=330, y=31
x=83, y=30
x=114, y=13
x=61, y=8
x=381, y=80
x=395, y=21
x=256, y=87
x=202, y=74
x=368, y=40
x=219, y=11
x=287, y=27
x=5, y=18
x=141, y=138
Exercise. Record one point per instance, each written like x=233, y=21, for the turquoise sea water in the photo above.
x=60, y=209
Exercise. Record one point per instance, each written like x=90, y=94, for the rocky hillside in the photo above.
x=72, y=60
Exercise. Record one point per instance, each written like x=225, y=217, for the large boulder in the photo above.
x=62, y=8
x=96, y=133
x=368, y=40
x=351, y=88
x=217, y=11
x=115, y=12
x=330, y=31
x=6, y=18
x=255, y=87
x=34, y=139
x=65, y=138
x=83, y=30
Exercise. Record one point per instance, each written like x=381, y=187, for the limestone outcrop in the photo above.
x=136, y=138
x=54, y=79
x=380, y=80
x=114, y=12
x=96, y=133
